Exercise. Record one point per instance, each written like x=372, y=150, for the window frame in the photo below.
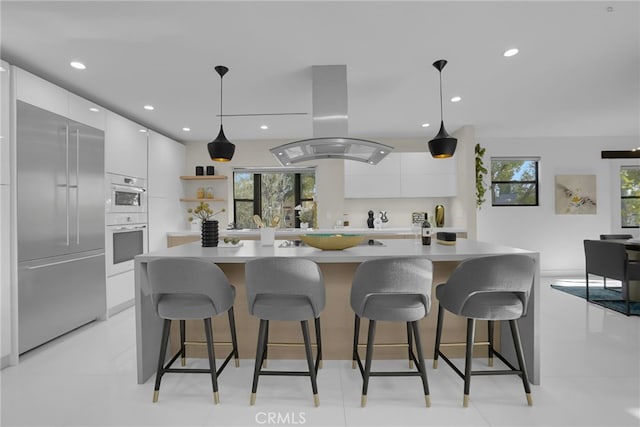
x=624, y=197
x=257, y=186
x=535, y=183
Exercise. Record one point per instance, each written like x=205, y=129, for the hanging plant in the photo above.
x=480, y=172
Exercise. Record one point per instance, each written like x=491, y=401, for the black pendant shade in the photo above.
x=442, y=145
x=220, y=149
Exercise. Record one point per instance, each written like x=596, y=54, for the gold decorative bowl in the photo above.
x=332, y=242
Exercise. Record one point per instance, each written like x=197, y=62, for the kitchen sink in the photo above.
x=296, y=242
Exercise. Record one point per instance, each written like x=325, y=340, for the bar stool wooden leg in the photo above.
x=409, y=345
x=262, y=332
x=234, y=339
x=318, y=344
x=356, y=334
x=490, y=327
x=312, y=371
x=367, y=367
x=266, y=347
x=421, y=365
x=515, y=333
x=471, y=326
x=212, y=360
x=438, y=336
x=166, y=328
x=183, y=338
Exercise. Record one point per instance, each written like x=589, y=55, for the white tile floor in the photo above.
x=590, y=377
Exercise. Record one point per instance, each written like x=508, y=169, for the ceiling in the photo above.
x=577, y=73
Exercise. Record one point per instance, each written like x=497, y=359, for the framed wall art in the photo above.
x=575, y=194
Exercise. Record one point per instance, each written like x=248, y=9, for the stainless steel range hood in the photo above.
x=330, y=125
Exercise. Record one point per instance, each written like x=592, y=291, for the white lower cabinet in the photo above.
x=120, y=292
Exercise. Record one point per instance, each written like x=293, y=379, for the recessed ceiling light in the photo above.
x=381, y=151
x=149, y=107
x=425, y=125
x=94, y=110
x=77, y=65
x=511, y=52
x=186, y=129
x=143, y=130
x=264, y=127
x=456, y=99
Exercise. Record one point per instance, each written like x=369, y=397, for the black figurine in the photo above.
x=370, y=219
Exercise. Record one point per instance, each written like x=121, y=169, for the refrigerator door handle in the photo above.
x=77, y=187
x=67, y=179
x=64, y=262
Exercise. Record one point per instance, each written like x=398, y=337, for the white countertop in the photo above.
x=251, y=249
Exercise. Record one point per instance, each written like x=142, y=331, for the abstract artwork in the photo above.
x=575, y=194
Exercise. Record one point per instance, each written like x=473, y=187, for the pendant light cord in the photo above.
x=221, y=99
x=441, y=113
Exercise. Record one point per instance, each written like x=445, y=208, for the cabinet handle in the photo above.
x=67, y=179
x=64, y=262
x=77, y=187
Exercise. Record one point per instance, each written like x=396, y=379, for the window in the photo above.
x=514, y=181
x=629, y=196
x=272, y=194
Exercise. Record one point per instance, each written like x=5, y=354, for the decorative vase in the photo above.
x=210, y=233
x=439, y=216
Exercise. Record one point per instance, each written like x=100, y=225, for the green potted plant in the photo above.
x=480, y=172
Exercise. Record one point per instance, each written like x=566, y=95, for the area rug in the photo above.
x=599, y=293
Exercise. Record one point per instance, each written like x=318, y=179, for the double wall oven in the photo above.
x=126, y=207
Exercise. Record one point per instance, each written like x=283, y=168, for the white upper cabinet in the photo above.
x=43, y=94
x=401, y=175
x=166, y=164
x=125, y=146
x=5, y=124
x=362, y=180
x=424, y=176
x=85, y=111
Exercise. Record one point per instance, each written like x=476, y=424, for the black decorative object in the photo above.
x=199, y=170
x=220, y=149
x=370, y=219
x=442, y=145
x=211, y=170
x=210, y=233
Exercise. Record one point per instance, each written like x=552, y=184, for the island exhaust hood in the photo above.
x=330, y=125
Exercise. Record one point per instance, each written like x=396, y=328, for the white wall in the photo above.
x=330, y=182
x=558, y=238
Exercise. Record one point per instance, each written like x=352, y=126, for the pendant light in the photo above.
x=442, y=145
x=220, y=149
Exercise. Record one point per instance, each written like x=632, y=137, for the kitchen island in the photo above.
x=338, y=268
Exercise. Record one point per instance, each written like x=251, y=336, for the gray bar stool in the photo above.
x=285, y=289
x=489, y=288
x=395, y=290
x=188, y=289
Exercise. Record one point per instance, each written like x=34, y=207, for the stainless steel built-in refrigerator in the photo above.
x=60, y=195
